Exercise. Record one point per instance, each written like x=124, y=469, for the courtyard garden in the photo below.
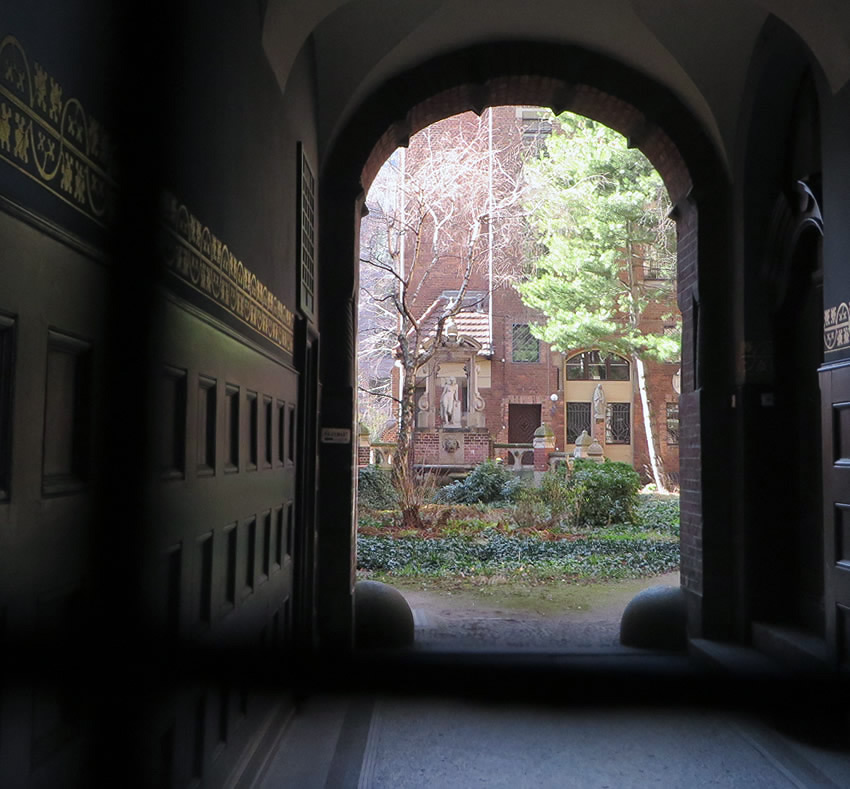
x=574, y=541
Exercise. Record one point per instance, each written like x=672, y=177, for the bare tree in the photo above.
x=448, y=204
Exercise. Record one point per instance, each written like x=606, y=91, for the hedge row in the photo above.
x=499, y=553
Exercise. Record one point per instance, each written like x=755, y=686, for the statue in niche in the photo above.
x=450, y=404
x=599, y=402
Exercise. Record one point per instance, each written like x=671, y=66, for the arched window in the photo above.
x=594, y=366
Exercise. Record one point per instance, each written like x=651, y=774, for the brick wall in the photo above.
x=426, y=448
x=689, y=407
x=520, y=382
x=541, y=458
x=659, y=385
x=477, y=447
x=363, y=456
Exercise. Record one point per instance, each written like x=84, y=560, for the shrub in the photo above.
x=604, y=493
x=375, y=489
x=593, y=495
x=557, y=494
x=486, y=483
x=530, y=512
x=545, y=506
x=657, y=512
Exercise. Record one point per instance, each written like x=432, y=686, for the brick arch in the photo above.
x=581, y=99
x=561, y=77
x=564, y=78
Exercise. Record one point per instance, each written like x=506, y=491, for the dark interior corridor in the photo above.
x=180, y=195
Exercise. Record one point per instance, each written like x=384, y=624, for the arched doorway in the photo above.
x=781, y=486
x=563, y=78
x=798, y=534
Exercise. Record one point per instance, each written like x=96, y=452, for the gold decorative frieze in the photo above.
x=836, y=327
x=203, y=262
x=49, y=137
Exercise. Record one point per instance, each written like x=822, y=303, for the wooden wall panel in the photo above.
x=51, y=368
x=233, y=508
x=7, y=383
x=172, y=423
x=67, y=414
x=835, y=408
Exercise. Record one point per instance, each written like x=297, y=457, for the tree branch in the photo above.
x=378, y=394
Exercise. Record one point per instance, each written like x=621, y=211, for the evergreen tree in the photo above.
x=598, y=214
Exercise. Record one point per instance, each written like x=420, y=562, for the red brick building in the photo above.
x=520, y=382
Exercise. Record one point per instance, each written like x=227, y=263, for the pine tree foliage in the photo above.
x=600, y=224
x=604, y=253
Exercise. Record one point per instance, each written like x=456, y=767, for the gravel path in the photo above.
x=449, y=623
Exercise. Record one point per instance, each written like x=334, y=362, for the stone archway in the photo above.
x=780, y=484
x=563, y=78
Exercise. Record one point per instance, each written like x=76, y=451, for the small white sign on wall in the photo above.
x=336, y=435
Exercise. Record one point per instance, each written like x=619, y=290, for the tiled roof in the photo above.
x=472, y=323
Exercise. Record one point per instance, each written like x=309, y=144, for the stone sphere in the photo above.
x=655, y=619
x=382, y=617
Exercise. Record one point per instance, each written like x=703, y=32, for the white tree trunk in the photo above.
x=647, y=426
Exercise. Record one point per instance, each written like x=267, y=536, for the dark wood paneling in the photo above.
x=232, y=513
x=204, y=580
x=523, y=420
x=841, y=432
x=63, y=402
x=268, y=431
x=173, y=572
x=252, y=429
x=231, y=534
x=232, y=428
x=278, y=536
x=172, y=426
x=249, y=556
x=7, y=384
x=266, y=557
x=835, y=408
x=206, y=425
x=280, y=418
x=51, y=404
x=842, y=533
x=67, y=414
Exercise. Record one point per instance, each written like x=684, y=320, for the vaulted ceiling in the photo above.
x=698, y=49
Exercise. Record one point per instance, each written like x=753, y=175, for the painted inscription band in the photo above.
x=50, y=139
x=201, y=260
x=836, y=327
